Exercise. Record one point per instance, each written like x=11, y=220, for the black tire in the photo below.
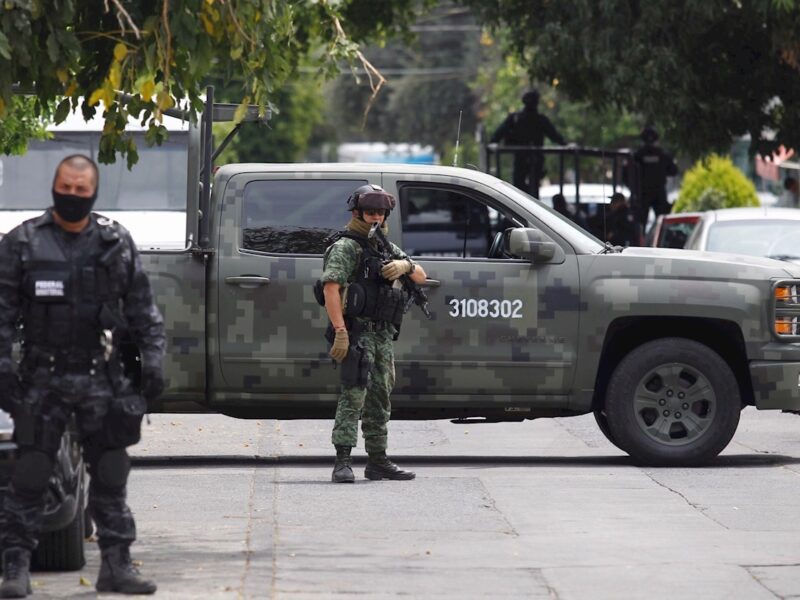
x=673, y=402
x=63, y=550
x=602, y=422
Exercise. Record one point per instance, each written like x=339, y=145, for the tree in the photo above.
x=704, y=71
x=286, y=137
x=15, y=134
x=715, y=183
x=77, y=53
x=429, y=75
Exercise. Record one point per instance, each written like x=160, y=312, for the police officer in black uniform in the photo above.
x=620, y=227
x=74, y=282
x=649, y=185
x=527, y=127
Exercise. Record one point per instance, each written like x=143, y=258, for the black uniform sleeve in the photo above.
x=144, y=319
x=669, y=164
x=10, y=283
x=501, y=132
x=551, y=132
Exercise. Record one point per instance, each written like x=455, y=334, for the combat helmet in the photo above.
x=648, y=134
x=530, y=99
x=371, y=196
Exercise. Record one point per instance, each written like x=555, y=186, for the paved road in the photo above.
x=542, y=509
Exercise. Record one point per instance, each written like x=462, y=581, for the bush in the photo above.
x=715, y=183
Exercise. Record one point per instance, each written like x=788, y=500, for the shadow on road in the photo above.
x=738, y=461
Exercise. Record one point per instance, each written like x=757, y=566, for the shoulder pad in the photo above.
x=333, y=238
x=109, y=229
x=24, y=235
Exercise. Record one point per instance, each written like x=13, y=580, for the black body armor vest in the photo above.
x=370, y=295
x=67, y=302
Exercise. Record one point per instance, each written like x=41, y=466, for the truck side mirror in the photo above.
x=531, y=244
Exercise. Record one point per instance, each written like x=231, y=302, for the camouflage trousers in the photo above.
x=53, y=400
x=372, y=404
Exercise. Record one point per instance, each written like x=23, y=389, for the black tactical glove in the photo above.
x=9, y=389
x=152, y=382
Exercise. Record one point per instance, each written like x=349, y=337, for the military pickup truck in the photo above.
x=532, y=316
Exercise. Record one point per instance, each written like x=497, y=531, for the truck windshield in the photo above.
x=156, y=182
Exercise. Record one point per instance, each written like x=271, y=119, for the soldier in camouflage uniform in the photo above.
x=354, y=276
x=74, y=281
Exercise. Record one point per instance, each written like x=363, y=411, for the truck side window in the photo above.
x=294, y=216
x=441, y=221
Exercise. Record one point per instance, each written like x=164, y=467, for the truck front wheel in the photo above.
x=673, y=402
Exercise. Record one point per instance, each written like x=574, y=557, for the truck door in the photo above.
x=502, y=326
x=272, y=237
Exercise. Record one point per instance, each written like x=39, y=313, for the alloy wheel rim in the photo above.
x=674, y=404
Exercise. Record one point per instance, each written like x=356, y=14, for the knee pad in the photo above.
x=31, y=473
x=113, y=467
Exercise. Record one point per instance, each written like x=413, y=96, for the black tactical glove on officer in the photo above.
x=152, y=382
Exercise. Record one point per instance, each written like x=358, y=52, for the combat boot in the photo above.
x=16, y=573
x=342, y=471
x=380, y=467
x=117, y=573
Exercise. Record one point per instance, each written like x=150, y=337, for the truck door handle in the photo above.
x=430, y=283
x=247, y=281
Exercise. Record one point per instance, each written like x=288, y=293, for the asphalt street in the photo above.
x=542, y=509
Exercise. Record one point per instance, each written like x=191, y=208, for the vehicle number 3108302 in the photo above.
x=472, y=308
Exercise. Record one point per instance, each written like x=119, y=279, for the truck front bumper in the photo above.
x=776, y=384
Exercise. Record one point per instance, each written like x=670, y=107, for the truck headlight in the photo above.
x=786, y=308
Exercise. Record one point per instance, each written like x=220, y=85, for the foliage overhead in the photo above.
x=77, y=53
x=285, y=138
x=429, y=73
x=705, y=71
x=713, y=183
x=15, y=134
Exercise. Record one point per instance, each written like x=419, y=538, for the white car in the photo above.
x=591, y=194
x=765, y=231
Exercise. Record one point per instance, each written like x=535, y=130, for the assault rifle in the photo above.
x=415, y=293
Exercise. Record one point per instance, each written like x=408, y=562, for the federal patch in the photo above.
x=49, y=288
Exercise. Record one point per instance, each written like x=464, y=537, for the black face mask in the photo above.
x=73, y=208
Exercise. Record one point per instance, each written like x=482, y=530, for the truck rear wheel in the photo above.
x=673, y=402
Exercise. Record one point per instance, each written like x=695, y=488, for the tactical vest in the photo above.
x=67, y=303
x=369, y=294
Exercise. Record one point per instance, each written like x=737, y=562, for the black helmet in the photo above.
x=370, y=196
x=648, y=135
x=530, y=98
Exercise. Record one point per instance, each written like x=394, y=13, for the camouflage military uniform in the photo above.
x=71, y=375
x=372, y=404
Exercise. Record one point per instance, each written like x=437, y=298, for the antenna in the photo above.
x=458, y=137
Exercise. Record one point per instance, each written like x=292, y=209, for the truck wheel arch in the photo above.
x=625, y=334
